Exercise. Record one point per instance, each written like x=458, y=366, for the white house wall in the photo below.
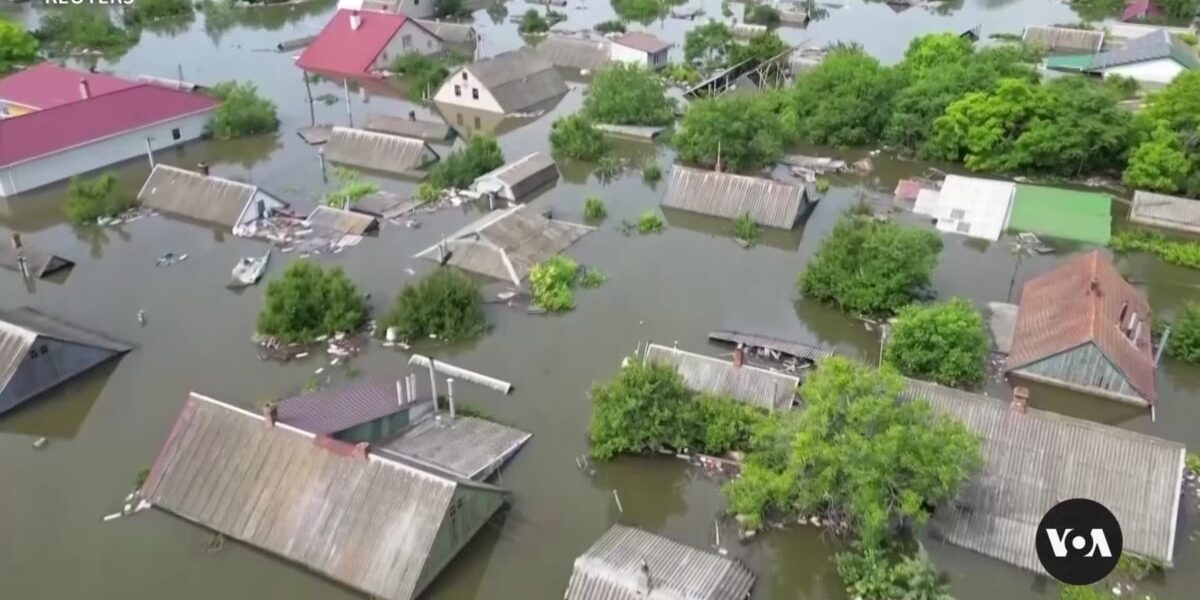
x=411, y=37
x=1163, y=70
x=465, y=82
x=29, y=175
x=417, y=9
x=629, y=55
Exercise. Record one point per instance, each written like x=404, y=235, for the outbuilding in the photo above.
x=726, y=195
x=380, y=152
x=519, y=179
x=641, y=49
x=207, y=199
x=1156, y=58
x=1168, y=212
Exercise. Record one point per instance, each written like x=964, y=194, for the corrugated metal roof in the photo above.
x=344, y=49
x=617, y=565
x=518, y=79
x=748, y=30
x=21, y=327
x=1152, y=46
x=377, y=151
x=1170, y=212
x=433, y=131
x=368, y=523
x=194, y=196
x=38, y=262
x=506, y=244
x=454, y=33
x=974, y=207
x=575, y=53
x=342, y=221
x=1060, y=310
x=47, y=85
x=769, y=203
x=765, y=389
x=1034, y=460
x=524, y=174
x=1063, y=38
x=329, y=411
x=755, y=340
x=468, y=446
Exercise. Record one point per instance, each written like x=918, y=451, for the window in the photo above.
x=175, y=135
x=457, y=91
x=1124, y=311
x=477, y=126
x=464, y=76
x=963, y=227
x=958, y=214
x=474, y=93
x=458, y=117
x=406, y=41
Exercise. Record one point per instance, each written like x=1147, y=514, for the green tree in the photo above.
x=722, y=424
x=550, y=283
x=532, y=22
x=242, y=112
x=145, y=12
x=877, y=574
x=351, y=188
x=461, y=167
x=17, y=46
x=610, y=26
x=628, y=94
x=443, y=303
x=943, y=342
x=1180, y=9
x=91, y=199
x=75, y=31
x=745, y=131
x=1184, y=342
x=762, y=14
x=1159, y=163
x=711, y=43
x=450, y=8
x=638, y=410
x=846, y=100
x=423, y=73
x=641, y=11
x=869, y=267
x=760, y=47
x=307, y=302
x=574, y=136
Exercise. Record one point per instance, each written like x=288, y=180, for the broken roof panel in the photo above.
x=432, y=131
x=199, y=197
x=468, y=446
x=378, y=151
x=769, y=203
x=1169, y=212
x=769, y=390
x=342, y=221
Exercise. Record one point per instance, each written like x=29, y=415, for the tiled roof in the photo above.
x=1081, y=302
x=48, y=85
x=337, y=409
x=642, y=41
x=343, y=50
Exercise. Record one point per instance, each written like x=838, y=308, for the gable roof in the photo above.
x=1155, y=45
x=48, y=85
x=367, y=522
x=328, y=411
x=1138, y=9
x=768, y=390
x=347, y=222
x=21, y=327
x=454, y=33
x=195, y=196
x=770, y=203
x=518, y=79
x=38, y=262
x=1064, y=38
x=528, y=173
x=46, y=132
x=341, y=49
x=425, y=130
x=574, y=52
x=377, y=151
x=642, y=41
x=1080, y=302
x=612, y=569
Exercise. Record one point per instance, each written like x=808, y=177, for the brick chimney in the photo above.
x=270, y=413
x=1094, y=287
x=739, y=357
x=1020, y=399
x=360, y=450
x=355, y=21
x=85, y=89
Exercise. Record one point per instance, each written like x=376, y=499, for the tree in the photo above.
x=73, y=31
x=1184, y=343
x=875, y=574
x=424, y=73
x=711, y=43
x=638, y=410
x=532, y=22
x=858, y=454
x=242, y=112
x=307, y=302
x=351, y=188
x=846, y=100
x=461, y=167
x=944, y=342
x=745, y=132
x=574, y=136
x=610, y=26
x=1178, y=104
x=869, y=267
x=17, y=46
x=1159, y=163
x=450, y=8
x=444, y=303
x=760, y=47
x=933, y=52
x=145, y=12
x=1180, y=9
x=761, y=14
x=92, y=199
x=642, y=11
x=722, y=424
x=628, y=94
x=550, y=283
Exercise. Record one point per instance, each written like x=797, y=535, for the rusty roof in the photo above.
x=337, y=409
x=1083, y=301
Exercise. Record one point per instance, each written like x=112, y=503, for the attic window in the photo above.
x=464, y=77
x=958, y=214
x=1124, y=311
x=1134, y=327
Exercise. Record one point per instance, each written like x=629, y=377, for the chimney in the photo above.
x=739, y=356
x=360, y=450
x=643, y=580
x=203, y=168
x=1095, y=285
x=16, y=242
x=450, y=395
x=1020, y=399
x=270, y=413
x=85, y=90
x=355, y=21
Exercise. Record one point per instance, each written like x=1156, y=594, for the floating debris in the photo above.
x=169, y=259
x=40, y=443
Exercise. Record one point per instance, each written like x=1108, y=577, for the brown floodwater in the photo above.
x=671, y=287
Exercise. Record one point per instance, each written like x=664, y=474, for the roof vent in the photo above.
x=355, y=21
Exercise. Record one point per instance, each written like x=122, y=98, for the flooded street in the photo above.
x=672, y=287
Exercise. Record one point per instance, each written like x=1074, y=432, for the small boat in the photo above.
x=249, y=270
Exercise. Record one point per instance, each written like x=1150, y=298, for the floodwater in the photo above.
x=672, y=287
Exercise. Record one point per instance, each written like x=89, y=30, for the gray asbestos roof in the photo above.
x=1062, y=38
x=454, y=33
x=470, y=447
x=1034, y=460
x=575, y=53
x=518, y=79
x=329, y=411
x=754, y=340
x=1152, y=46
x=1170, y=212
x=765, y=389
x=433, y=131
x=769, y=203
x=612, y=569
x=368, y=523
x=38, y=262
x=525, y=174
x=21, y=327
x=194, y=196
x=342, y=221
x=377, y=151
x=505, y=244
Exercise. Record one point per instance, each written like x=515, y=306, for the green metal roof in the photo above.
x=1061, y=213
x=1070, y=62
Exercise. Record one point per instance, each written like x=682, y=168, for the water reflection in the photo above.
x=651, y=489
x=60, y=412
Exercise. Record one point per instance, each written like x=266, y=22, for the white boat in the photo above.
x=249, y=270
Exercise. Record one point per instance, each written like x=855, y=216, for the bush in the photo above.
x=443, y=303
x=242, y=112
x=550, y=283
x=17, y=46
x=642, y=11
x=871, y=268
x=610, y=26
x=532, y=22
x=592, y=278
x=307, y=302
x=723, y=424
x=649, y=222
x=144, y=12
x=608, y=168
x=461, y=167
x=351, y=189
x=871, y=574
x=681, y=73
x=943, y=342
x=91, y=199
x=651, y=172
x=450, y=8
x=762, y=14
x=574, y=137
x=628, y=94
x=593, y=209
x=638, y=410
x=74, y=31
x=821, y=185
x=1192, y=463
x=1184, y=254
x=1184, y=342
x=424, y=74
x=745, y=228
x=426, y=193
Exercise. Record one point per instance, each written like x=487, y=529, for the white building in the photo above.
x=642, y=49
x=508, y=83
x=969, y=206
x=1155, y=58
x=417, y=9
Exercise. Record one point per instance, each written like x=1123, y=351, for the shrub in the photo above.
x=461, y=167
x=91, y=199
x=762, y=14
x=871, y=574
x=745, y=228
x=608, y=167
x=242, y=112
x=144, y=12
x=1184, y=254
x=574, y=137
x=943, y=342
x=550, y=283
x=610, y=26
x=426, y=193
x=649, y=222
x=73, y=31
x=821, y=185
x=638, y=410
x=592, y=278
x=307, y=302
x=628, y=94
x=1184, y=342
x=17, y=46
x=443, y=303
x=424, y=73
x=532, y=22
x=1192, y=462
x=642, y=11
x=593, y=209
x=681, y=73
x=651, y=172
x=350, y=190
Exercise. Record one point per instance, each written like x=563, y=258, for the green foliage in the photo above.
x=574, y=136
x=869, y=267
x=1184, y=342
x=307, y=302
x=1184, y=254
x=443, y=303
x=723, y=424
x=710, y=44
x=608, y=167
x=1159, y=163
x=821, y=185
x=943, y=342
x=859, y=454
x=1097, y=10
x=423, y=73
x=651, y=172
x=144, y=12
x=91, y=199
x=846, y=100
x=532, y=22
x=17, y=46
x=1192, y=462
x=760, y=47
x=681, y=73
x=762, y=14
x=426, y=193
x=628, y=94
x=638, y=410
x=351, y=188
x=460, y=168
x=550, y=283
x=242, y=112
x=746, y=131
x=450, y=8
x=76, y=31
x=610, y=26
x=1178, y=104
x=1083, y=592
x=642, y=11
x=875, y=574
x=1180, y=9
x=649, y=222
x=593, y=209
x=745, y=228
x=592, y=278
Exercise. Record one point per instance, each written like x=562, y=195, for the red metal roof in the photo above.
x=48, y=85
x=1140, y=9
x=1081, y=302
x=56, y=129
x=643, y=41
x=343, y=50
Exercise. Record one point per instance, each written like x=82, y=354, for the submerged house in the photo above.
x=969, y=206
x=1081, y=326
x=413, y=8
x=628, y=563
x=519, y=179
x=30, y=260
x=986, y=208
x=380, y=152
x=582, y=54
x=1168, y=212
x=207, y=199
x=48, y=85
x=763, y=388
x=345, y=222
x=1157, y=57
x=1063, y=40
x=508, y=83
x=366, y=519
x=726, y=195
x=362, y=44
x=430, y=131
x=39, y=352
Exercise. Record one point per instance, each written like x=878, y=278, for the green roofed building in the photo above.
x=1061, y=213
x=1157, y=58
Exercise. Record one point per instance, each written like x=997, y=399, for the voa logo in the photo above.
x=1079, y=541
